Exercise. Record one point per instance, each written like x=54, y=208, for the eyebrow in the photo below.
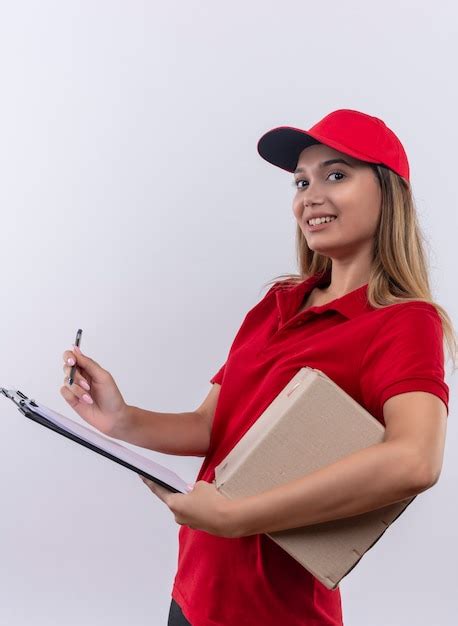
x=324, y=163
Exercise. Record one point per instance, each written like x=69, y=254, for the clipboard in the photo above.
x=96, y=442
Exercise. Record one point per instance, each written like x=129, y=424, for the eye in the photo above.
x=296, y=183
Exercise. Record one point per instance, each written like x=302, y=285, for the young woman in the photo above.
x=361, y=311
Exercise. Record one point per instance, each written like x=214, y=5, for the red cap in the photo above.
x=357, y=134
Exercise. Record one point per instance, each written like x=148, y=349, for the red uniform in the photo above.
x=372, y=354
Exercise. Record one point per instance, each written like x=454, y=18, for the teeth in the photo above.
x=320, y=220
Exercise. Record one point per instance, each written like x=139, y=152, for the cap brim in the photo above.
x=282, y=146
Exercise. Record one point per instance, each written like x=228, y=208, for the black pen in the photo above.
x=77, y=343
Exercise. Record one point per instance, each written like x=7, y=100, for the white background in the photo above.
x=134, y=205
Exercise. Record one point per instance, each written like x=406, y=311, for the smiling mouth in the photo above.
x=319, y=226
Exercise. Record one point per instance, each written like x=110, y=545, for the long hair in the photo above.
x=399, y=271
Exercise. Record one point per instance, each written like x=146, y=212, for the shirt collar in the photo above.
x=290, y=298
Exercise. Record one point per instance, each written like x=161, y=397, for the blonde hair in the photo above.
x=399, y=270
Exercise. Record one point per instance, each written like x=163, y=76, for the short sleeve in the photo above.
x=218, y=377
x=406, y=354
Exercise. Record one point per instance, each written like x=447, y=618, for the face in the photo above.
x=350, y=192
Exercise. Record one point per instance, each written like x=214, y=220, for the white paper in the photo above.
x=108, y=445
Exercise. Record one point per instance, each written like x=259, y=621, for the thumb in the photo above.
x=86, y=363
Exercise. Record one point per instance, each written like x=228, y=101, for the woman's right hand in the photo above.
x=108, y=409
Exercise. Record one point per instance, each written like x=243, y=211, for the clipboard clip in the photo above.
x=19, y=398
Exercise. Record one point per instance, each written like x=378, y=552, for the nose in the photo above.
x=312, y=195
x=312, y=198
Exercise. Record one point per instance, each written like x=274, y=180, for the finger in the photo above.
x=70, y=397
x=151, y=483
x=68, y=368
x=158, y=490
x=93, y=369
x=69, y=363
x=70, y=358
x=77, y=377
x=69, y=354
x=82, y=394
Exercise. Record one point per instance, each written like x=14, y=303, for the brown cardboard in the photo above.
x=310, y=424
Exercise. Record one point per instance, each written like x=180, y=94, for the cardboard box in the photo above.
x=310, y=424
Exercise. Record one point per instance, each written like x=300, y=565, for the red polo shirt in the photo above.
x=372, y=354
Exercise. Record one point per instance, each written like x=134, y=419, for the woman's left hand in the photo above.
x=203, y=508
